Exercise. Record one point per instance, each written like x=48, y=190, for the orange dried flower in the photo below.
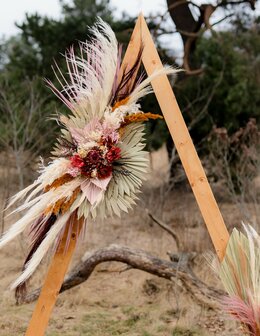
x=59, y=181
x=55, y=208
x=139, y=117
x=119, y=103
x=62, y=205
x=66, y=205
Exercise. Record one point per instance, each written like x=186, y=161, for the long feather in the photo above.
x=21, y=194
x=39, y=230
x=18, y=227
x=145, y=88
x=38, y=233
x=37, y=257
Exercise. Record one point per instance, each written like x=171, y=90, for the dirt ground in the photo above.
x=116, y=301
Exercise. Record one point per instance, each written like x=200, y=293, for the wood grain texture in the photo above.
x=54, y=279
x=184, y=145
x=133, y=49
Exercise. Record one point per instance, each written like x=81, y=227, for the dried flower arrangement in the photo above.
x=99, y=161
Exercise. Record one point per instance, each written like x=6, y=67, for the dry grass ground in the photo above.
x=115, y=301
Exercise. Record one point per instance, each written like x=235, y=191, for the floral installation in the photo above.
x=239, y=273
x=99, y=163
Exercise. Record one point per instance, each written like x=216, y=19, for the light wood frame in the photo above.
x=190, y=161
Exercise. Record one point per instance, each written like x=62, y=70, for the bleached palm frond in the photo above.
x=130, y=172
x=240, y=275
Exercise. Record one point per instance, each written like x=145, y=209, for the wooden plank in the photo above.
x=184, y=145
x=133, y=48
x=54, y=279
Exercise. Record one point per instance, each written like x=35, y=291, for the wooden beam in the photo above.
x=54, y=279
x=184, y=145
x=133, y=48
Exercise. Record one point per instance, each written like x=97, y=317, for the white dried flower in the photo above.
x=82, y=152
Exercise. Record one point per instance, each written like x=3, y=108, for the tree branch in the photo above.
x=140, y=260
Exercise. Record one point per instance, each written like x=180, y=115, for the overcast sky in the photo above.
x=14, y=11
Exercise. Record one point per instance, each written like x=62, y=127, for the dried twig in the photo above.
x=165, y=227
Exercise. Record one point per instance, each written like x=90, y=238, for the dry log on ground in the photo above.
x=177, y=271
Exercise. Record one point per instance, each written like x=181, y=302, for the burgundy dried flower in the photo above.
x=94, y=156
x=113, y=154
x=77, y=161
x=104, y=171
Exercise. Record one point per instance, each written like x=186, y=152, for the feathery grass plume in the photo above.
x=99, y=163
x=240, y=275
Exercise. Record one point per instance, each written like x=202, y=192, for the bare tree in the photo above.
x=192, y=20
x=234, y=160
x=23, y=133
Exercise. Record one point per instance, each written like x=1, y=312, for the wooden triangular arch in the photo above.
x=190, y=161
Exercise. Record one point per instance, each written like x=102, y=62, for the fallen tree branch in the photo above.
x=140, y=260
